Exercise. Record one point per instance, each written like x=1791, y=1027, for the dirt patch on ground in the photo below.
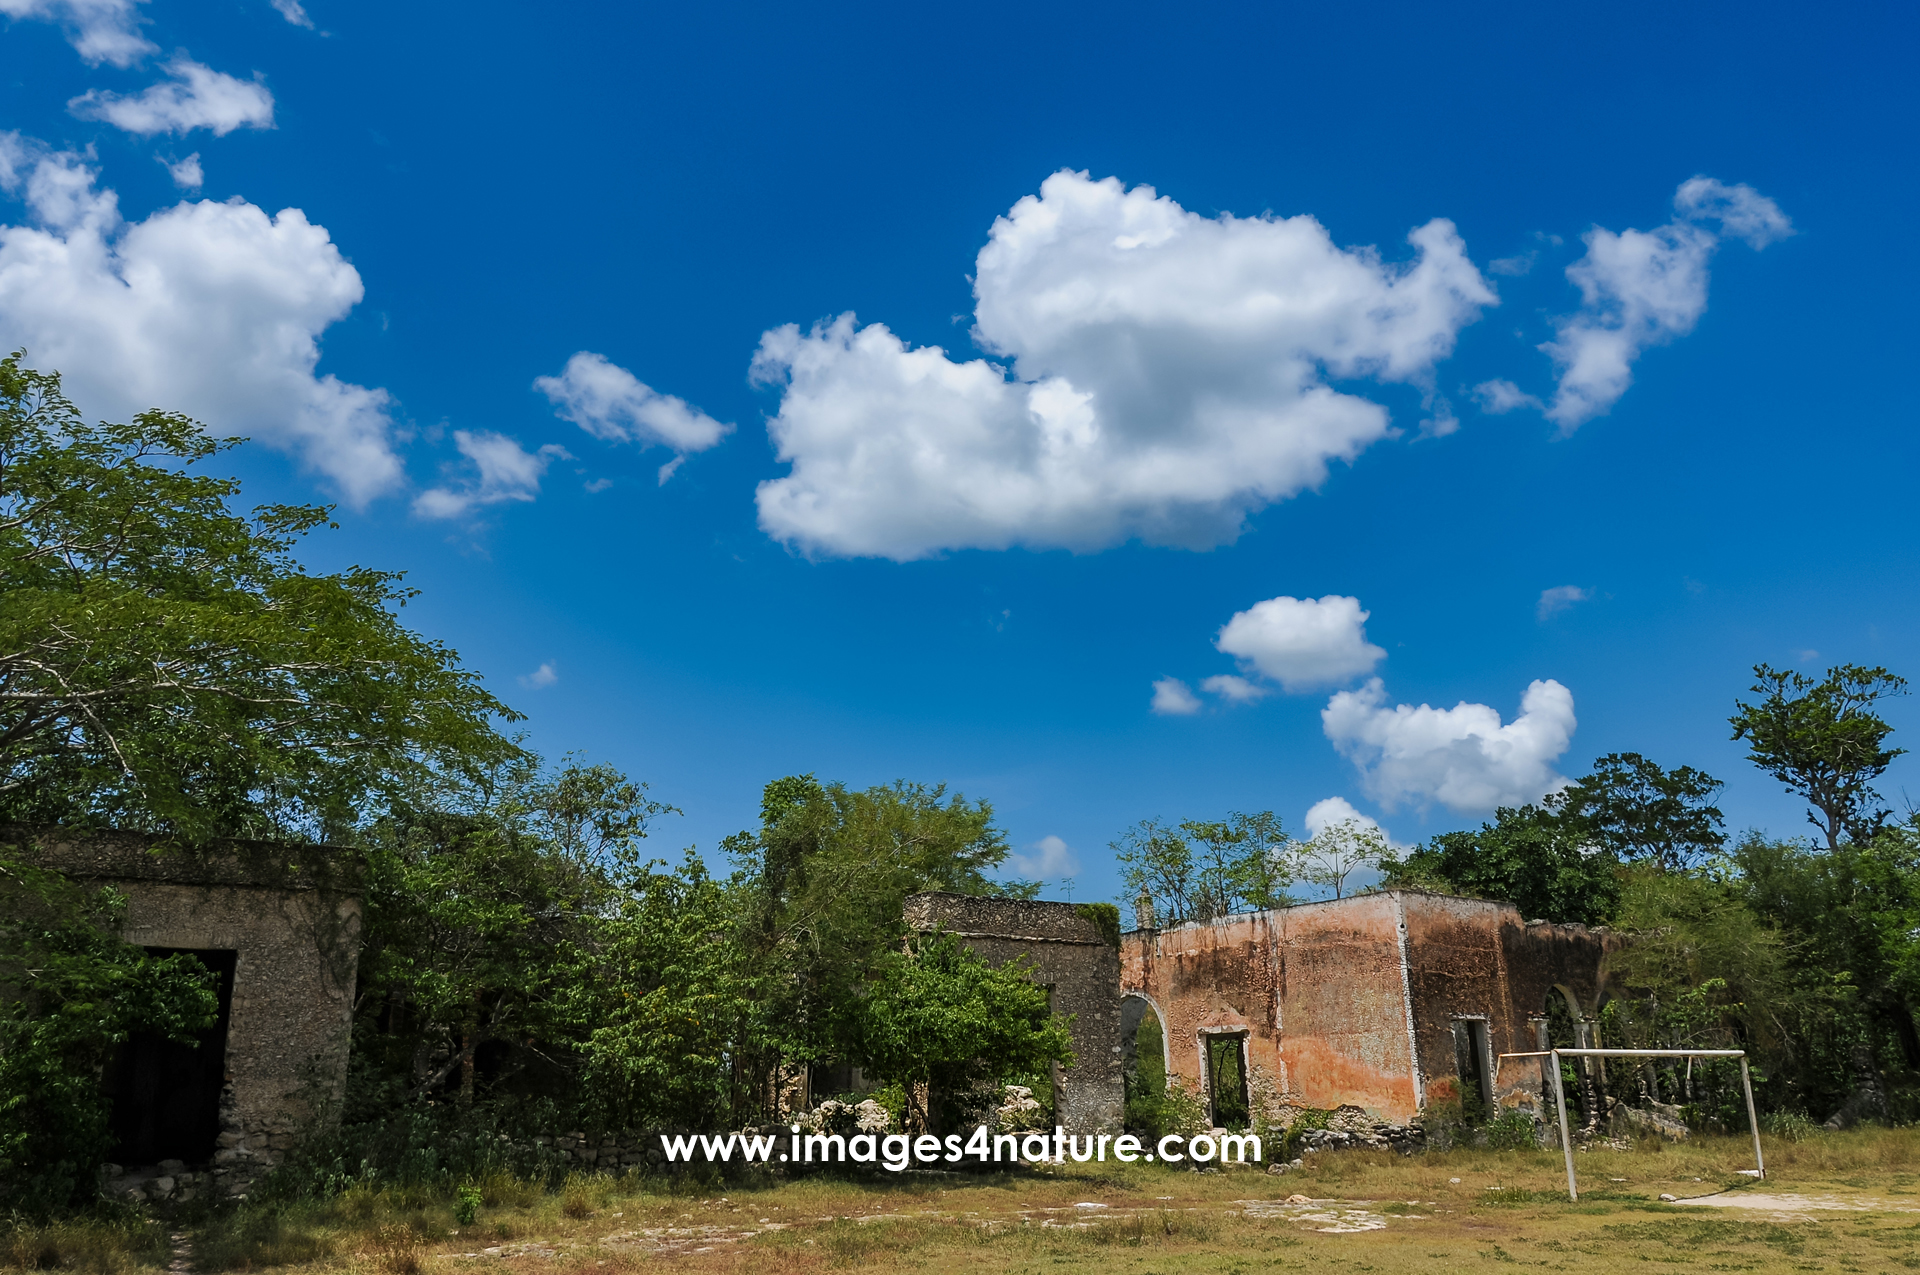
x=1788, y=1205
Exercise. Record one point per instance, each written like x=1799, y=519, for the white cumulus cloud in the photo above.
x=1174, y=698
x=613, y=404
x=1302, y=643
x=212, y=309
x=1644, y=288
x=1331, y=812
x=1046, y=859
x=1560, y=597
x=540, y=678
x=1167, y=375
x=196, y=97
x=294, y=12
x=501, y=470
x=100, y=30
x=1462, y=757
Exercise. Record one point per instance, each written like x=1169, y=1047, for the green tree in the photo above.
x=655, y=995
x=821, y=885
x=1337, y=852
x=1822, y=740
x=75, y=994
x=1701, y=970
x=942, y=1023
x=1635, y=809
x=1528, y=857
x=1202, y=869
x=166, y=665
x=1850, y=917
x=490, y=901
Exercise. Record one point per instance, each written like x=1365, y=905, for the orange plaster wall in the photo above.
x=1321, y=992
x=1317, y=988
x=1343, y=1022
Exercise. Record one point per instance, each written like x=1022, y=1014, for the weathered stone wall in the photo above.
x=1316, y=988
x=1352, y=1002
x=1071, y=957
x=1479, y=959
x=293, y=917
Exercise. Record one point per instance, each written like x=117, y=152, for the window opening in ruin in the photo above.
x=841, y=1080
x=1473, y=1063
x=1563, y=1032
x=1227, y=1081
x=166, y=1094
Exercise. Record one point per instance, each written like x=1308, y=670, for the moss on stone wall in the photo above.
x=1105, y=917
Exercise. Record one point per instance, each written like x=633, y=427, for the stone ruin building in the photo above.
x=1386, y=1002
x=280, y=926
x=1080, y=968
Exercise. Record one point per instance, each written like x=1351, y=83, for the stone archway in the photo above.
x=1145, y=1057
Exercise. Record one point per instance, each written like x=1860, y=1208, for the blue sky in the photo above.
x=1243, y=385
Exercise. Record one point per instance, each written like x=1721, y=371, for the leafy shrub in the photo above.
x=82, y=993
x=466, y=1205
x=1789, y=1126
x=1511, y=1130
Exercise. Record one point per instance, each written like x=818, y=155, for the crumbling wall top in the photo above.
x=112, y=855
x=979, y=916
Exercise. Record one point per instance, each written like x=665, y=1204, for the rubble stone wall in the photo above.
x=292, y=915
x=1075, y=961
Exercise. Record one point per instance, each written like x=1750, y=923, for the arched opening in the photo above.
x=1567, y=1027
x=1143, y=1054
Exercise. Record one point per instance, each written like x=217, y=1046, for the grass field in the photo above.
x=1841, y=1202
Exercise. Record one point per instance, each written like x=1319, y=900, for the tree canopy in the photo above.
x=1200, y=869
x=167, y=666
x=821, y=884
x=1821, y=739
x=1528, y=857
x=939, y=1020
x=1632, y=808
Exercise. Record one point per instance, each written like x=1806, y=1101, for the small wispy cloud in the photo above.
x=540, y=678
x=1235, y=690
x=294, y=12
x=186, y=173
x=501, y=470
x=1498, y=397
x=1174, y=698
x=1562, y=597
x=1046, y=859
x=195, y=96
x=612, y=404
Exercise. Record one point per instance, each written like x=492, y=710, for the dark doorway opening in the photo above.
x=166, y=1095
x=1473, y=1062
x=1227, y=1081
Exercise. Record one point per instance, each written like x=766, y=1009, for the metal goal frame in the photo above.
x=1560, y=1094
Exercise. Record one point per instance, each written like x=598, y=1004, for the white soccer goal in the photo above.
x=1560, y=1095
